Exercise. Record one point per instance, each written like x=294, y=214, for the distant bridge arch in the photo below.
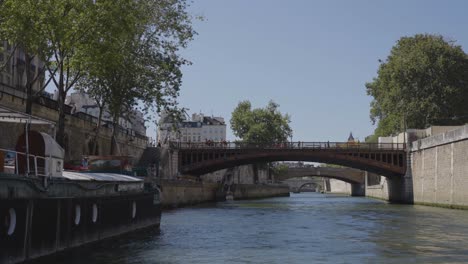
x=349, y=175
x=307, y=184
x=294, y=177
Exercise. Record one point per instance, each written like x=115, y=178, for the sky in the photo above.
x=311, y=57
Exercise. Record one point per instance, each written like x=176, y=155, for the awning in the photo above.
x=52, y=148
x=11, y=116
x=94, y=176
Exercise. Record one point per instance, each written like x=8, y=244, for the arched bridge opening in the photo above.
x=309, y=184
x=294, y=176
x=348, y=175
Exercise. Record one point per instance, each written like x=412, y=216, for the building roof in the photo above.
x=350, y=138
x=211, y=121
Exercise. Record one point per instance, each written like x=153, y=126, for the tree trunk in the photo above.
x=114, y=131
x=61, y=121
x=29, y=85
x=61, y=108
x=101, y=109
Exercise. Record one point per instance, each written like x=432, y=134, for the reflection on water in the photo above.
x=304, y=228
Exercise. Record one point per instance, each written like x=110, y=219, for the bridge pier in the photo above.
x=393, y=189
x=358, y=189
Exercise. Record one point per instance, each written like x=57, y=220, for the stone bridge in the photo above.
x=352, y=176
x=296, y=184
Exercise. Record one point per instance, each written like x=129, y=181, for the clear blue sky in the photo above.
x=311, y=57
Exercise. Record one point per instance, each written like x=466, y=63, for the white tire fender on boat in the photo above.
x=95, y=213
x=134, y=209
x=77, y=214
x=11, y=221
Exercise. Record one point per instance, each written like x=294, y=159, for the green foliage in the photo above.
x=279, y=169
x=123, y=52
x=423, y=82
x=260, y=125
x=372, y=139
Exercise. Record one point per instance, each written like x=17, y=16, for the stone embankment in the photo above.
x=438, y=172
x=179, y=193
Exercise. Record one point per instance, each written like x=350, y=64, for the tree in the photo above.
x=139, y=65
x=18, y=27
x=127, y=45
x=279, y=169
x=62, y=28
x=422, y=82
x=261, y=125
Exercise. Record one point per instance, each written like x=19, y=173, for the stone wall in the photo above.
x=79, y=132
x=440, y=169
x=255, y=191
x=376, y=186
x=337, y=186
x=246, y=174
x=182, y=193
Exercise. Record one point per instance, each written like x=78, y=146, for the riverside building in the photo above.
x=13, y=70
x=199, y=128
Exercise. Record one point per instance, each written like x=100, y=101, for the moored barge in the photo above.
x=44, y=209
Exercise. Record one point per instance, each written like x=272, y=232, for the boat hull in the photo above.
x=38, y=226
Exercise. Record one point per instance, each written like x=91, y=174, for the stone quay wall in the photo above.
x=376, y=186
x=338, y=186
x=79, y=130
x=438, y=171
x=179, y=193
x=257, y=191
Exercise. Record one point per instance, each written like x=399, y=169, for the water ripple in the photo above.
x=304, y=228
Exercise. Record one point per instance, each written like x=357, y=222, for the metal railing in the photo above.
x=288, y=145
x=12, y=91
x=34, y=168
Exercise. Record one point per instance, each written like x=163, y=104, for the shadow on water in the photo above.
x=114, y=250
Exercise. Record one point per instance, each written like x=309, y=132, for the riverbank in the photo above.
x=180, y=193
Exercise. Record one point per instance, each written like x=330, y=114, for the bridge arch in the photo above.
x=305, y=184
x=205, y=161
x=348, y=175
x=295, y=185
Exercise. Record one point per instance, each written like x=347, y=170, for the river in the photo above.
x=303, y=228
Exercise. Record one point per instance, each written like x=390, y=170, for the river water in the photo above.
x=303, y=228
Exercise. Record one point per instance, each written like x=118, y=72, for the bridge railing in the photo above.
x=288, y=145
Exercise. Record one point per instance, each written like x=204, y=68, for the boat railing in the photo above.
x=32, y=168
